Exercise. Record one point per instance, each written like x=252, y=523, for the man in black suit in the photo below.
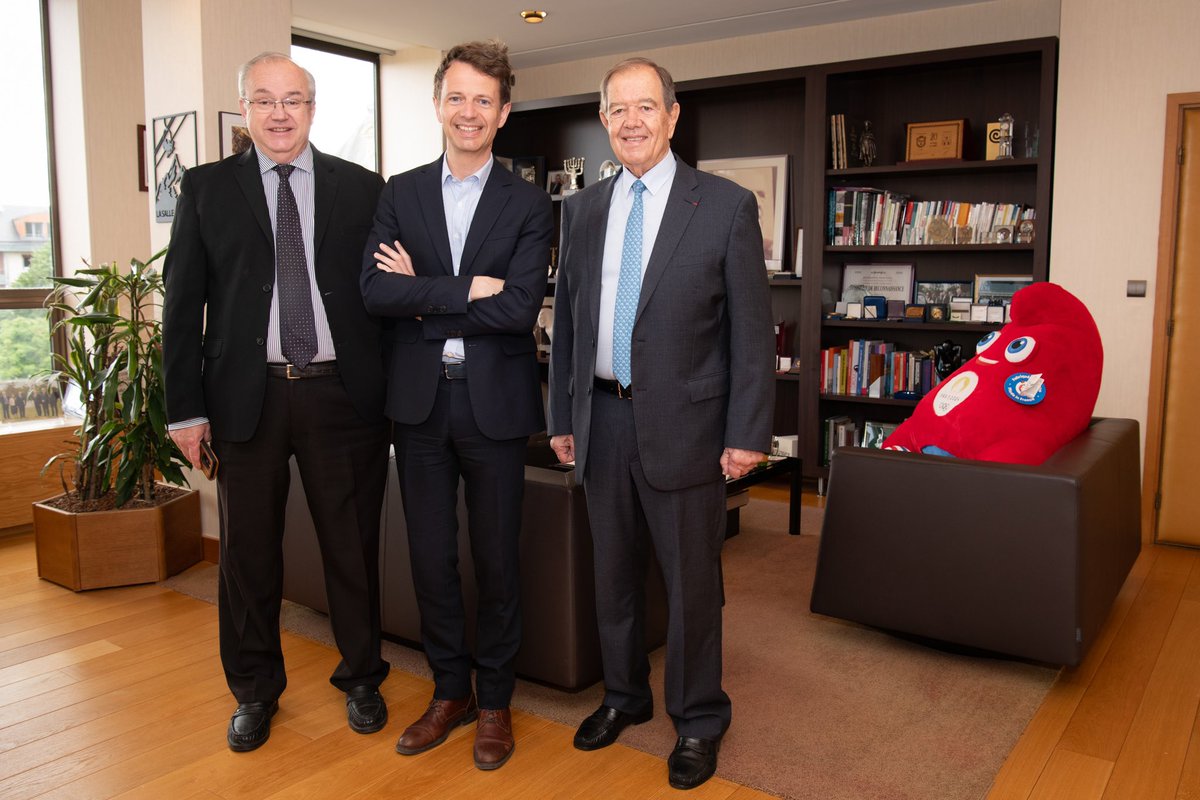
x=661, y=379
x=458, y=257
x=269, y=353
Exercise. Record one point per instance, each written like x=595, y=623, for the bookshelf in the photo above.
x=786, y=112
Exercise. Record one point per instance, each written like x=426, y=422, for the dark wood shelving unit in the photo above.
x=786, y=112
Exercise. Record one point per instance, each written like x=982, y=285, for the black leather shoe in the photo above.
x=692, y=762
x=250, y=726
x=604, y=726
x=365, y=709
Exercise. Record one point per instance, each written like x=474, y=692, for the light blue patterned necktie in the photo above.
x=629, y=286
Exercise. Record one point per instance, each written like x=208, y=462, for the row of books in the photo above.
x=859, y=215
x=874, y=368
x=842, y=431
x=837, y=140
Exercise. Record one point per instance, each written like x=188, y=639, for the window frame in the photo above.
x=371, y=58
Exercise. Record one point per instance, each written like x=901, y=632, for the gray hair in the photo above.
x=668, y=84
x=244, y=70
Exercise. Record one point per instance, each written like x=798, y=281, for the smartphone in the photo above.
x=208, y=460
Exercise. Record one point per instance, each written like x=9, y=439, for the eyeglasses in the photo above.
x=265, y=106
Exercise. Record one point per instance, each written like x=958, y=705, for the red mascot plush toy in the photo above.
x=1030, y=388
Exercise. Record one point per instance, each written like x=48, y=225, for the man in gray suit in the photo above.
x=661, y=382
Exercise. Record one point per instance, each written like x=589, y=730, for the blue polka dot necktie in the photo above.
x=297, y=329
x=629, y=286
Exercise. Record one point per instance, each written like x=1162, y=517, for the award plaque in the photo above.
x=935, y=140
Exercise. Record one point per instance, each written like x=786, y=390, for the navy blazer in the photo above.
x=509, y=238
x=220, y=273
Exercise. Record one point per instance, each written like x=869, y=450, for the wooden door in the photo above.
x=1175, y=504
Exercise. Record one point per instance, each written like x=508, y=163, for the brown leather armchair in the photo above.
x=1014, y=559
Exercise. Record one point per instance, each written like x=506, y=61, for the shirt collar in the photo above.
x=303, y=162
x=482, y=173
x=656, y=178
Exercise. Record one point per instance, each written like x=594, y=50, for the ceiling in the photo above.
x=577, y=29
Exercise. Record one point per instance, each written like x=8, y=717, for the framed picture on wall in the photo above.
x=767, y=178
x=234, y=135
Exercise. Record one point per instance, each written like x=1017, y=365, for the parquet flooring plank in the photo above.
x=1020, y=771
x=53, y=661
x=1101, y=722
x=1189, y=778
x=1073, y=775
x=147, y=643
x=32, y=628
x=63, y=603
x=1151, y=761
x=24, y=691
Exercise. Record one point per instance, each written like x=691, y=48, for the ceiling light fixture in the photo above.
x=533, y=17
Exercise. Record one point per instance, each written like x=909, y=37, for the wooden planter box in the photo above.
x=117, y=548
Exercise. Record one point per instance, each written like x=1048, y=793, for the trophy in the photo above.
x=574, y=169
x=1005, y=136
x=609, y=167
x=866, y=146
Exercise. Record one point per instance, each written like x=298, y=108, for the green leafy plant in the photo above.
x=113, y=354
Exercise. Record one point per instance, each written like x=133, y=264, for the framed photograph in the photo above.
x=767, y=178
x=914, y=312
x=891, y=281
x=999, y=289
x=941, y=292
x=935, y=140
x=530, y=168
x=234, y=135
x=141, y=153
x=556, y=179
x=937, y=313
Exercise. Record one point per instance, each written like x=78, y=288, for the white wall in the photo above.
x=1118, y=62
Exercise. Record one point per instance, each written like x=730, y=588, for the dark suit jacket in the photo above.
x=703, y=346
x=222, y=256
x=509, y=238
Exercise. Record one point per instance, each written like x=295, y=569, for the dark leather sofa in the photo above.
x=1019, y=560
x=560, y=644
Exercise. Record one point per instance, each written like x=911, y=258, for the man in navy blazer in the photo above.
x=458, y=258
x=240, y=223
x=661, y=381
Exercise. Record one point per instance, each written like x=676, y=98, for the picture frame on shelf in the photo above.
x=556, y=179
x=766, y=177
x=234, y=133
x=530, y=168
x=914, y=312
x=996, y=313
x=935, y=141
x=941, y=292
x=937, y=312
x=979, y=312
x=890, y=281
x=999, y=289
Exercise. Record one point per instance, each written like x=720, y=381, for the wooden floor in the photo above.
x=120, y=693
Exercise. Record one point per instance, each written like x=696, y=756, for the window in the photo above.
x=27, y=261
x=347, y=118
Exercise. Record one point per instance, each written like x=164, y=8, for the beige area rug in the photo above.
x=822, y=709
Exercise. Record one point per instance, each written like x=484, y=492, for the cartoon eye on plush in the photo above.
x=1020, y=349
x=986, y=342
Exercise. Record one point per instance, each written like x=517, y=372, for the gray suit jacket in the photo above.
x=703, y=346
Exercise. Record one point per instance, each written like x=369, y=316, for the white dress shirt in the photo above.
x=459, y=201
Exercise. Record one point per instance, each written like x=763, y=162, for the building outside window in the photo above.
x=27, y=260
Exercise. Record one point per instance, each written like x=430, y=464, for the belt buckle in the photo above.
x=288, y=373
x=623, y=392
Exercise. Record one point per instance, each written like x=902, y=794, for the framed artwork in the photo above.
x=891, y=281
x=141, y=155
x=233, y=133
x=942, y=292
x=530, y=168
x=934, y=140
x=999, y=289
x=556, y=179
x=767, y=178
x=175, y=150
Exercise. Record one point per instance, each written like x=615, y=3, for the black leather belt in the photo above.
x=454, y=372
x=317, y=369
x=613, y=387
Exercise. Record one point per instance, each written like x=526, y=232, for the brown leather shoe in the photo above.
x=435, y=724
x=493, y=738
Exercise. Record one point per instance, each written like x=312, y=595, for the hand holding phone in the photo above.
x=208, y=460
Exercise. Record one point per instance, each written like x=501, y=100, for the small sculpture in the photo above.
x=574, y=169
x=866, y=145
x=947, y=358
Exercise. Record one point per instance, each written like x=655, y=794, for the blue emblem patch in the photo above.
x=1017, y=391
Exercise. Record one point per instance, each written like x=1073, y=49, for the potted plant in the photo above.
x=115, y=524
